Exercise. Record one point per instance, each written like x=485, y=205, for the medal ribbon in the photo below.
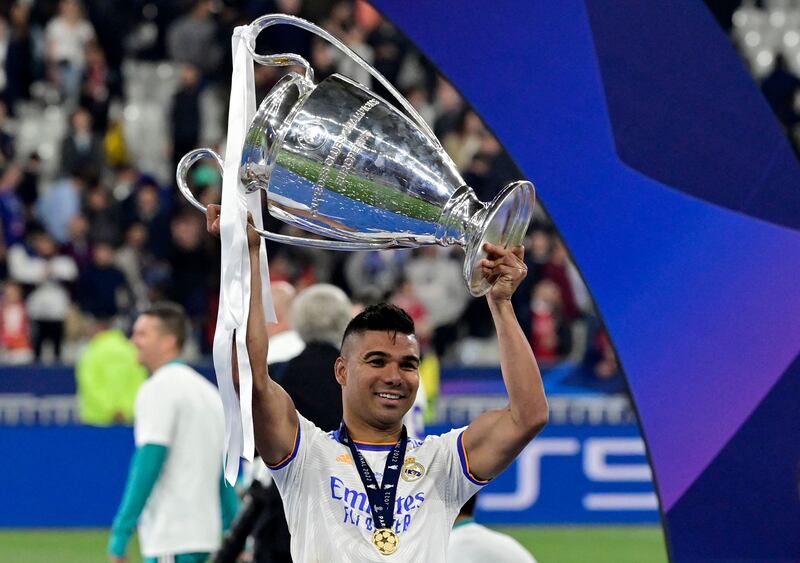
x=381, y=497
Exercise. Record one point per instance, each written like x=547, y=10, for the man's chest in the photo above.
x=343, y=495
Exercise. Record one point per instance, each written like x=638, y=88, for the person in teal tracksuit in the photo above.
x=175, y=491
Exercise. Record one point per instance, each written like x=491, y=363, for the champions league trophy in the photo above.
x=338, y=160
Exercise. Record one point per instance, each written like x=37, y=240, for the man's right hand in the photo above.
x=212, y=219
x=213, y=212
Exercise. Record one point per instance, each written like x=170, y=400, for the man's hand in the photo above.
x=213, y=212
x=505, y=270
x=118, y=559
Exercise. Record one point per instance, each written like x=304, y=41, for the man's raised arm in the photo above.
x=274, y=416
x=494, y=439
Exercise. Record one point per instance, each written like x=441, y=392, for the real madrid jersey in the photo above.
x=328, y=511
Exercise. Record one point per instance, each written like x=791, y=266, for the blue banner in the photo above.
x=73, y=476
x=575, y=474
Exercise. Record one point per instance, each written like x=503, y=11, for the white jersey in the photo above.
x=473, y=543
x=328, y=510
x=178, y=408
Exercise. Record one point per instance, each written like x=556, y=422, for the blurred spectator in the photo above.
x=56, y=208
x=102, y=289
x=192, y=39
x=550, y=337
x=20, y=66
x=134, y=261
x=6, y=138
x=82, y=150
x=40, y=266
x=108, y=376
x=371, y=276
x=407, y=299
x=320, y=314
x=190, y=279
x=601, y=358
x=28, y=187
x=440, y=287
x=449, y=106
x=78, y=246
x=557, y=270
x=418, y=96
x=390, y=49
x=284, y=342
x=67, y=36
x=12, y=211
x=145, y=206
x=463, y=142
x=185, y=114
x=15, y=337
x=95, y=93
x=103, y=215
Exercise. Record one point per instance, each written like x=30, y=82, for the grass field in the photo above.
x=549, y=545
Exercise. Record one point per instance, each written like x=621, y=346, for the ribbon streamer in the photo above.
x=234, y=297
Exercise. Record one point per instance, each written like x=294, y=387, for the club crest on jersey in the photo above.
x=412, y=470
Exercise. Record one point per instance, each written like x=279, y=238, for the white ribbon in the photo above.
x=234, y=294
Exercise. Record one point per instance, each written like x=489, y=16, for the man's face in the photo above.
x=379, y=374
x=149, y=340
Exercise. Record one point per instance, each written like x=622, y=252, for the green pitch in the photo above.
x=549, y=545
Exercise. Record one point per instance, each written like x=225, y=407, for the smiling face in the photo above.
x=379, y=374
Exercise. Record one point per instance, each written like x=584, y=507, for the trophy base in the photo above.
x=504, y=223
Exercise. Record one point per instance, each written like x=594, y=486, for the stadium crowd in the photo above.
x=100, y=100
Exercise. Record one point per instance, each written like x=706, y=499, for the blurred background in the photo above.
x=99, y=100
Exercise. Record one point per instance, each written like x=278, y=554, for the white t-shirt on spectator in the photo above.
x=68, y=42
x=473, y=543
x=327, y=507
x=284, y=346
x=178, y=408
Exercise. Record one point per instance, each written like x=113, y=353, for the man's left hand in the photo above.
x=505, y=269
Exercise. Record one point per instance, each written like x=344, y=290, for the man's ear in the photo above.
x=340, y=371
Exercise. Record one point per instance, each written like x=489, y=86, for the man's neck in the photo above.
x=361, y=431
x=163, y=362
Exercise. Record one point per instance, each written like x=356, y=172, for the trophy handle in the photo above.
x=285, y=59
x=190, y=158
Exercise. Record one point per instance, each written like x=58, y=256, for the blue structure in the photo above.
x=679, y=199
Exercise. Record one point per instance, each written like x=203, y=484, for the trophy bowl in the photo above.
x=337, y=160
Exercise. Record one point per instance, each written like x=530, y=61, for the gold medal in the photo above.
x=385, y=541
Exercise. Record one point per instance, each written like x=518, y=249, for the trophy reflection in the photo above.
x=339, y=161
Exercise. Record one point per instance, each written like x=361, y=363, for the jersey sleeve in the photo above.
x=288, y=473
x=156, y=414
x=462, y=484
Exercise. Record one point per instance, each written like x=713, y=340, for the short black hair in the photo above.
x=173, y=319
x=381, y=316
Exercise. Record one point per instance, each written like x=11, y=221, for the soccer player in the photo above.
x=472, y=543
x=175, y=487
x=366, y=492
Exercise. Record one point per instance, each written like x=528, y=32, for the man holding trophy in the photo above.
x=339, y=161
x=367, y=491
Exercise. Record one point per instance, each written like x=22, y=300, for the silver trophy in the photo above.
x=338, y=160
